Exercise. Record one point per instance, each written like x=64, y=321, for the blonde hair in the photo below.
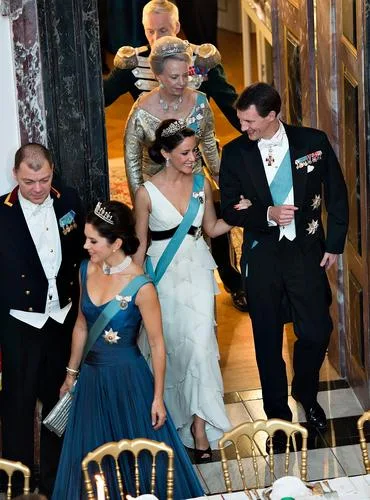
x=160, y=7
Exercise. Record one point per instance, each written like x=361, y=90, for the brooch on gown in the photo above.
x=123, y=301
x=199, y=195
x=111, y=337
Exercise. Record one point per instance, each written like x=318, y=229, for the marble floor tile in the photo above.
x=213, y=475
x=231, y=397
x=350, y=458
x=202, y=481
x=255, y=409
x=323, y=464
x=340, y=403
x=237, y=414
x=250, y=395
x=329, y=385
x=343, y=432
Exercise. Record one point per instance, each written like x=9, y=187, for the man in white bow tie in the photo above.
x=42, y=231
x=283, y=171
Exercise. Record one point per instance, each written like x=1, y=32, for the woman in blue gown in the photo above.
x=116, y=396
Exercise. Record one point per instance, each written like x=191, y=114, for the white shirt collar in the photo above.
x=34, y=207
x=276, y=139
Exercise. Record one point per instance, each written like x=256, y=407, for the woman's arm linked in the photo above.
x=148, y=303
x=212, y=226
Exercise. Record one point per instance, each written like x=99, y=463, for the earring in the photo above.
x=161, y=85
x=167, y=161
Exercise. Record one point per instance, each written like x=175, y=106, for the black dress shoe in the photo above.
x=278, y=442
x=315, y=415
x=239, y=300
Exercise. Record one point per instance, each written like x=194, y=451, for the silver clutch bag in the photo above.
x=57, y=419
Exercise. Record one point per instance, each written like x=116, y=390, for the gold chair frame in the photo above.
x=9, y=466
x=363, y=443
x=249, y=429
x=135, y=446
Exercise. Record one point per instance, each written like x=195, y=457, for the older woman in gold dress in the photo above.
x=170, y=60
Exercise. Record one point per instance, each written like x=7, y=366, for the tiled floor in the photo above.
x=334, y=453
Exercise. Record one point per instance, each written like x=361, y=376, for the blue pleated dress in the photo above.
x=112, y=401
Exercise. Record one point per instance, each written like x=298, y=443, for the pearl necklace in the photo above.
x=165, y=106
x=107, y=269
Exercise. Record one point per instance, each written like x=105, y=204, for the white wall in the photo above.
x=9, y=129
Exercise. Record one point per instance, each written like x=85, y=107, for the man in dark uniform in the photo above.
x=199, y=20
x=133, y=74
x=283, y=170
x=39, y=263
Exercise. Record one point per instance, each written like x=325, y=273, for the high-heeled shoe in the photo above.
x=199, y=454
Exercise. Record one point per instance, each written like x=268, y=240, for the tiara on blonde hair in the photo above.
x=170, y=46
x=173, y=128
x=103, y=214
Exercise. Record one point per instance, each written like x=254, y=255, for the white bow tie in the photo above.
x=36, y=209
x=268, y=143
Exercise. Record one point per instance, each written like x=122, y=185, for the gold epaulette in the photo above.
x=12, y=197
x=55, y=192
x=206, y=55
x=127, y=57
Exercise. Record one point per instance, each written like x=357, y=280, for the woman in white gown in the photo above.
x=185, y=284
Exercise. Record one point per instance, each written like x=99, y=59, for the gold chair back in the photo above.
x=363, y=444
x=249, y=430
x=135, y=446
x=9, y=466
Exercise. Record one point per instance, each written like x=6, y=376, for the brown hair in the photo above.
x=34, y=155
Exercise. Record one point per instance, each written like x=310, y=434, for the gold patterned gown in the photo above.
x=140, y=134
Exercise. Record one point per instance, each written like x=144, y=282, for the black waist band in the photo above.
x=166, y=235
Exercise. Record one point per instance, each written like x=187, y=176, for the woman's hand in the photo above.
x=158, y=414
x=67, y=385
x=243, y=204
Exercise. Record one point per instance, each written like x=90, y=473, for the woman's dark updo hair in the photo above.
x=170, y=140
x=123, y=225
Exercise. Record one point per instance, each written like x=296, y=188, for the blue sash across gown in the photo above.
x=112, y=401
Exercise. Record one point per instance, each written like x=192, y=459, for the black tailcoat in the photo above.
x=274, y=269
x=34, y=360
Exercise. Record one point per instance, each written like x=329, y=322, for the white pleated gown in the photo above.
x=193, y=383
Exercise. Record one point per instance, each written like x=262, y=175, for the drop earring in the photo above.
x=161, y=85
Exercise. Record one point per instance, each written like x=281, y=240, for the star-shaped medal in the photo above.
x=312, y=226
x=111, y=337
x=316, y=202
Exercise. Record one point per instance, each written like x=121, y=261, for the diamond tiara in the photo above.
x=103, y=214
x=173, y=128
x=171, y=46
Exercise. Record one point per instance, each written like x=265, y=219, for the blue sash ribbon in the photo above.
x=176, y=240
x=282, y=183
x=110, y=310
